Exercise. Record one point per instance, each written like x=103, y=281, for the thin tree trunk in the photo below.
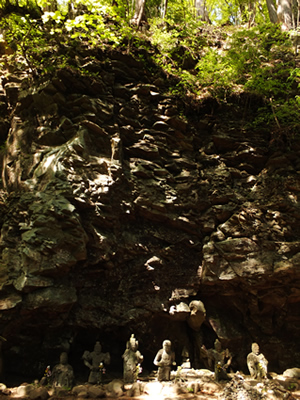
x=201, y=11
x=252, y=13
x=296, y=13
x=51, y=6
x=284, y=13
x=139, y=11
x=272, y=11
x=164, y=8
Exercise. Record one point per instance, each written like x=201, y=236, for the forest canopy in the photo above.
x=236, y=12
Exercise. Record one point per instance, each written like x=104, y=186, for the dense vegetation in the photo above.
x=232, y=50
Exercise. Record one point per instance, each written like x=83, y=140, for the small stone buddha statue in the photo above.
x=164, y=359
x=62, y=373
x=257, y=363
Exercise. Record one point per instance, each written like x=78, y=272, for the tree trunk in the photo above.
x=296, y=13
x=252, y=13
x=51, y=6
x=164, y=6
x=284, y=13
x=138, y=13
x=272, y=11
x=201, y=11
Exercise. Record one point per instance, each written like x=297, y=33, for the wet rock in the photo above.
x=135, y=390
x=40, y=393
x=292, y=373
x=81, y=391
x=24, y=390
x=114, y=388
x=94, y=392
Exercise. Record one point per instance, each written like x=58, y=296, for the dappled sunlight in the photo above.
x=159, y=391
x=293, y=197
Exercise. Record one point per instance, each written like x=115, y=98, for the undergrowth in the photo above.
x=259, y=61
x=205, y=60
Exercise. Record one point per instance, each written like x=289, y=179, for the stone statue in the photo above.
x=197, y=315
x=219, y=360
x=95, y=361
x=132, y=359
x=164, y=359
x=257, y=363
x=62, y=373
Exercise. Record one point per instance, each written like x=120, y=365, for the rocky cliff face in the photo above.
x=121, y=207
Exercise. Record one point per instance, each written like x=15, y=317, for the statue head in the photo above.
x=133, y=343
x=97, y=348
x=63, y=358
x=197, y=307
x=255, y=348
x=167, y=345
x=197, y=314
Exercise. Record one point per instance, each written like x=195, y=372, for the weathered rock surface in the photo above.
x=119, y=207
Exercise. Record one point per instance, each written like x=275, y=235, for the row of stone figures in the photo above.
x=218, y=359
x=62, y=374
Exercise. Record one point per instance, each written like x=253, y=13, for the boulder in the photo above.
x=292, y=373
x=39, y=393
x=114, y=388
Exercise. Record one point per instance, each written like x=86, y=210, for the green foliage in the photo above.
x=269, y=81
x=245, y=52
x=24, y=36
x=221, y=12
x=91, y=28
x=252, y=58
x=199, y=60
x=162, y=36
x=186, y=84
x=39, y=41
x=216, y=73
x=181, y=12
x=172, y=38
x=259, y=61
x=280, y=113
x=236, y=12
x=292, y=386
